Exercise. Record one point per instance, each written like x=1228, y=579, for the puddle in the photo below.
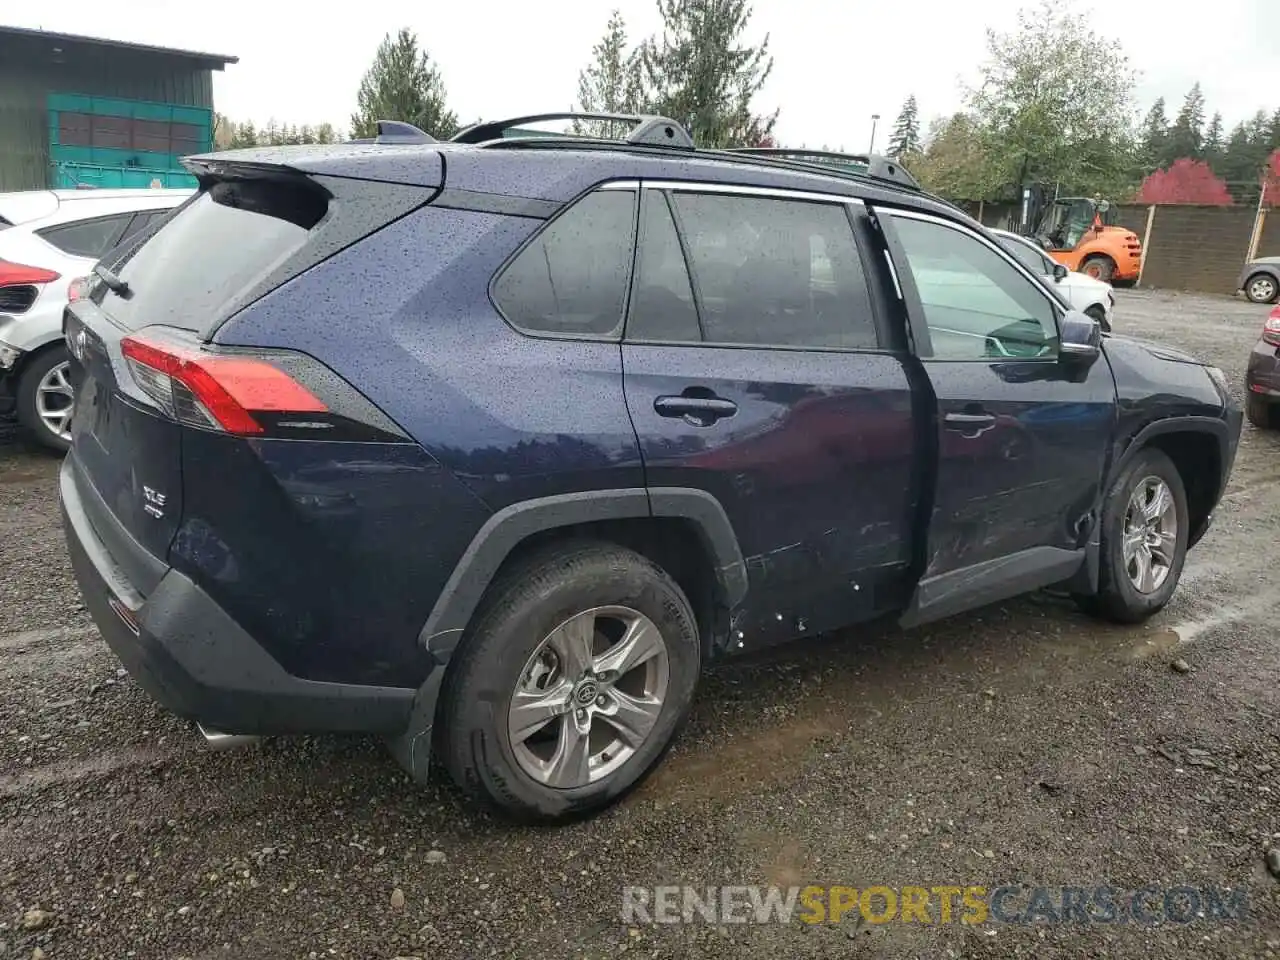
x=763, y=756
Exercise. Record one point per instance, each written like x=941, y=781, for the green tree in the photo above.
x=246, y=135
x=905, y=139
x=955, y=162
x=1046, y=111
x=700, y=73
x=1186, y=136
x=1153, y=137
x=402, y=84
x=1213, y=142
x=325, y=133
x=611, y=83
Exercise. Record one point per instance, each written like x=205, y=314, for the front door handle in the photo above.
x=697, y=410
x=969, y=425
x=967, y=421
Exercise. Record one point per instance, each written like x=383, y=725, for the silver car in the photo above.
x=1260, y=279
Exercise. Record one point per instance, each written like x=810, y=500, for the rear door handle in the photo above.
x=699, y=411
x=968, y=421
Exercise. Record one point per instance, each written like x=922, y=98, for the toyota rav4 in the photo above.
x=490, y=446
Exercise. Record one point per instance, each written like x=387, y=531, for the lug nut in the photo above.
x=600, y=700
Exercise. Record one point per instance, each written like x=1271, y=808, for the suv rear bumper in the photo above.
x=195, y=660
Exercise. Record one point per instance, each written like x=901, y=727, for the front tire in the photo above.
x=1145, y=524
x=1099, y=267
x=45, y=400
x=570, y=687
x=1261, y=288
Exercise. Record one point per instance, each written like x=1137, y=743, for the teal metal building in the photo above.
x=83, y=111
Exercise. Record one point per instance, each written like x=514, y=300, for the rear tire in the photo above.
x=1258, y=410
x=521, y=649
x=1261, y=288
x=44, y=391
x=1099, y=267
x=1120, y=598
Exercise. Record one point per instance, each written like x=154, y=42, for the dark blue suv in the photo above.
x=491, y=446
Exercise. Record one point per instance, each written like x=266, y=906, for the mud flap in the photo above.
x=412, y=748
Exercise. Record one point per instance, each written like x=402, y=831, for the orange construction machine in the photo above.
x=1079, y=234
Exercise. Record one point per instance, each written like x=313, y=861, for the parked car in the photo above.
x=492, y=456
x=1080, y=291
x=49, y=240
x=1260, y=279
x=1262, y=377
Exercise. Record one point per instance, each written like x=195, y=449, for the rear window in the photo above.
x=211, y=256
x=87, y=238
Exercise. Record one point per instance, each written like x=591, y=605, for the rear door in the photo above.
x=126, y=450
x=1022, y=435
x=755, y=371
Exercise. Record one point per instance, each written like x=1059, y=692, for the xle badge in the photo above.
x=153, y=502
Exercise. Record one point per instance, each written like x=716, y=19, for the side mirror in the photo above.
x=1079, y=338
x=1059, y=273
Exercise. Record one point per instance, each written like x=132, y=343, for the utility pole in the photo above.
x=874, y=118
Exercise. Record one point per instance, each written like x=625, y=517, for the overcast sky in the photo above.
x=837, y=61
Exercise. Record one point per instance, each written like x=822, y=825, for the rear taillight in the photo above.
x=1271, y=329
x=21, y=275
x=77, y=288
x=272, y=393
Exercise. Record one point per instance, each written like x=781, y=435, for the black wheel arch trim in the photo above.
x=1218, y=427
x=512, y=525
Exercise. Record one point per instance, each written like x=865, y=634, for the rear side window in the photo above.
x=87, y=238
x=572, y=279
x=214, y=250
x=776, y=272
x=662, y=304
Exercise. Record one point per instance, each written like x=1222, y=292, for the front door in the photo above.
x=1022, y=436
x=753, y=372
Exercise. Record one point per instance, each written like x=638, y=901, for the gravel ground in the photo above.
x=1019, y=743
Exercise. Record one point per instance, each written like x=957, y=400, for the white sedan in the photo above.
x=1082, y=293
x=49, y=240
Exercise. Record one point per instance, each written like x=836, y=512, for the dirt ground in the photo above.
x=1022, y=743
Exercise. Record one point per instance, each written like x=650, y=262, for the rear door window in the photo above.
x=87, y=238
x=572, y=279
x=776, y=272
x=662, y=304
x=206, y=260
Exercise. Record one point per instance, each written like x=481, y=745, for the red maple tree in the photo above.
x=1186, y=181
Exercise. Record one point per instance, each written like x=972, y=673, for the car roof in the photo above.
x=559, y=171
x=34, y=209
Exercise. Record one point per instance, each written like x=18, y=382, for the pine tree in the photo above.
x=700, y=73
x=905, y=139
x=402, y=84
x=1186, y=136
x=610, y=83
x=1154, y=136
x=1213, y=142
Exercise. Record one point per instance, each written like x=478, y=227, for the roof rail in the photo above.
x=877, y=167
x=397, y=131
x=647, y=129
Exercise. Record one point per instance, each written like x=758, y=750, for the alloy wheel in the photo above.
x=55, y=401
x=1150, y=534
x=589, y=697
x=1262, y=289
